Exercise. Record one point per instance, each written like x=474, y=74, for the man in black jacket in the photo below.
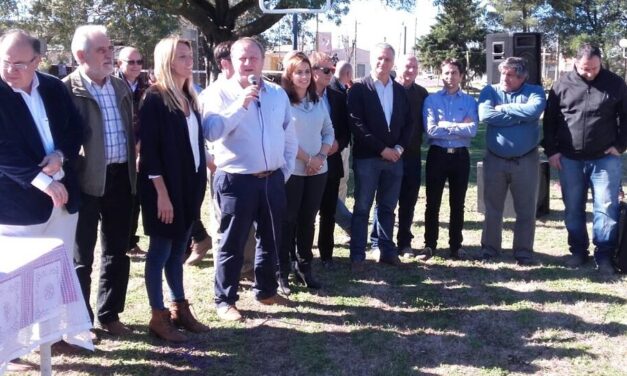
x=381, y=122
x=40, y=136
x=585, y=132
x=336, y=102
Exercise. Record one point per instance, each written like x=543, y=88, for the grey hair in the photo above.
x=384, y=46
x=342, y=66
x=80, y=41
x=518, y=64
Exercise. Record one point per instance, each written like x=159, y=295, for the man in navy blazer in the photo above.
x=381, y=123
x=40, y=137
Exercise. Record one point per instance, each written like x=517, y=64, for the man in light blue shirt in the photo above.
x=512, y=112
x=255, y=146
x=450, y=121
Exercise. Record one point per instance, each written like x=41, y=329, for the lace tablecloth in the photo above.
x=40, y=299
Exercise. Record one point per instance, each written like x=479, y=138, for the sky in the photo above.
x=378, y=23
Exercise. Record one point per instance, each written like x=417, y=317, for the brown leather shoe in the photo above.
x=161, y=326
x=357, y=267
x=137, y=251
x=199, y=250
x=116, y=328
x=276, y=300
x=181, y=316
x=228, y=313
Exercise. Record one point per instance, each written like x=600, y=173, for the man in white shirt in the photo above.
x=39, y=193
x=248, y=121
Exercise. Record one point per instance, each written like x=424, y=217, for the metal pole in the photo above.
x=404, y=39
x=295, y=31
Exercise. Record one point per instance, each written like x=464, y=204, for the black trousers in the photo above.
x=113, y=211
x=326, y=227
x=442, y=166
x=303, y=202
x=134, y=238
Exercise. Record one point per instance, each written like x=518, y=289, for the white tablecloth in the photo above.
x=40, y=298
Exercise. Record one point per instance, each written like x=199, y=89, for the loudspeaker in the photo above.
x=502, y=45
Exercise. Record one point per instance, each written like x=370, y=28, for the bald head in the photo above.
x=407, y=69
x=19, y=57
x=130, y=63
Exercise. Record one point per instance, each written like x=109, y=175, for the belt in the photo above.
x=513, y=159
x=263, y=174
x=451, y=150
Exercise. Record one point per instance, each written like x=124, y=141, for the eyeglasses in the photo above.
x=17, y=66
x=325, y=70
x=134, y=62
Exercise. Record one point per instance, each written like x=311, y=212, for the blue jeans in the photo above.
x=407, y=199
x=374, y=175
x=343, y=216
x=165, y=254
x=603, y=176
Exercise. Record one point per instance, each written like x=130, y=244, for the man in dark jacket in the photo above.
x=381, y=122
x=585, y=132
x=39, y=130
x=130, y=63
x=335, y=101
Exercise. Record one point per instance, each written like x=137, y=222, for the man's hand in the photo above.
x=554, y=161
x=211, y=164
x=334, y=147
x=165, y=211
x=467, y=119
x=56, y=190
x=51, y=164
x=390, y=154
x=612, y=150
x=251, y=94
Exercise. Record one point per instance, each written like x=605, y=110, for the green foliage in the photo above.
x=515, y=15
x=459, y=32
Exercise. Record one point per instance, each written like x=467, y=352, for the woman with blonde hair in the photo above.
x=305, y=186
x=172, y=179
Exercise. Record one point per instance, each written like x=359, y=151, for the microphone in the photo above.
x=252, y=79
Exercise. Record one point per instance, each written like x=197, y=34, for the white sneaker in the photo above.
x=375, y=253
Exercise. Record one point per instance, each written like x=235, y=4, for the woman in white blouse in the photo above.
x=172, y=180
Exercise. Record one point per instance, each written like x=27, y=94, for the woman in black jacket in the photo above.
x=172, y=179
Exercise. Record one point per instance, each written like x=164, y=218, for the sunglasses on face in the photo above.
x=134, y=62
x=325, y=70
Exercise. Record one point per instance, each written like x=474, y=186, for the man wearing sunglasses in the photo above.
x=107, y=173
x=130, y=64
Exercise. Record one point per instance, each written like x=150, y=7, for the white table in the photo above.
x=40, y=300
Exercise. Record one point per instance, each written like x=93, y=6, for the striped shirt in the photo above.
x=114, y=134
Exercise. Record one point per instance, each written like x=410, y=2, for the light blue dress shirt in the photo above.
x=444, y=119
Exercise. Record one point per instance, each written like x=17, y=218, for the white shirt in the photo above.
x=37, y=110
x=247, y=141
x=192, y=128
x=386, y=97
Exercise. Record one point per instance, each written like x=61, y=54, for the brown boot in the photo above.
x=182, y=316
x=199, y=250
x=162, y=327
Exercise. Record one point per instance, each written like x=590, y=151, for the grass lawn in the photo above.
x=441, y=317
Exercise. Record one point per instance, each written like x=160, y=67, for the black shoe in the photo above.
x=605, y=267
x=284, y=286
x=306, y=277
x=393, y=261
x=577, y=260
x=526, y=261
